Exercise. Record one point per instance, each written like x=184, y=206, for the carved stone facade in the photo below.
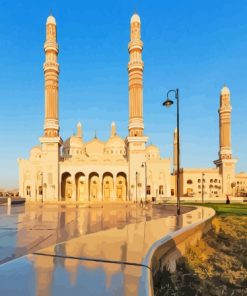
x=75, y=170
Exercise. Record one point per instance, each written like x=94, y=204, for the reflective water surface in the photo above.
x=101, y=251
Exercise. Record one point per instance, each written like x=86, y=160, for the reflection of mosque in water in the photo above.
x=74, y=170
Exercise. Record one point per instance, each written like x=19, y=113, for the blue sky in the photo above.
x=196, y=46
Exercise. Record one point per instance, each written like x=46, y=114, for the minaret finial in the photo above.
x=79, y=130
x=95, y=134
x=113, y=129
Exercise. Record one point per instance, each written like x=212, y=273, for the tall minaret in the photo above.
x=51, y=71
x=225, y=163
x=225, y=110
x=51, y=141
x=136, y=141
x=135, y=70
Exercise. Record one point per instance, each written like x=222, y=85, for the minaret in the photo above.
x=136, y=141
x=225, y=110
x=175, y=144
x=225, y=163
x=51, y=141
x=135, y=70
x=51, y=71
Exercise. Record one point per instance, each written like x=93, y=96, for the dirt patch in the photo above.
x=217, y=265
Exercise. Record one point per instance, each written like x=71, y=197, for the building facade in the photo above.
x=74, y=170
x=221, y=180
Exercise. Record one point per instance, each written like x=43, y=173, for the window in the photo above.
x=215, y=180
x=199, y=180
x=148, y=189
x=40, y=190
x=28, y=191
x=189, y=182
x=161, y=190
x=172, y=192
x=211, y=180
x=199, y=186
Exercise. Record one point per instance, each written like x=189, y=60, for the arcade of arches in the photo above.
x=93, y=187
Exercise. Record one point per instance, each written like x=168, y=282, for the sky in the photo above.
x=196, y=46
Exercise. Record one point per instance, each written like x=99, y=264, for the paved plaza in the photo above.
x=102, y=249
x=27, y=228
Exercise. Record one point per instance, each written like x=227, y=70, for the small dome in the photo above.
x=225, y=91
x=152, y=152
x=115, y=141
x=35, y=152
x=74, y=142
x=135, y=18
x=51, y=20
x=95, y=147
x=152, y=148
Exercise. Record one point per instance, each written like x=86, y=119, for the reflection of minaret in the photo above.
x=136, y=141
x=135, y=69
x=51, y=71
x=44, y=272
x=225, y=162
x=175, y=144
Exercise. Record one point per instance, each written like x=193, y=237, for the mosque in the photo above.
x=74, y=170
x=118, y=169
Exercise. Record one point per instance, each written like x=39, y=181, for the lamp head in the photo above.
x=167, y=103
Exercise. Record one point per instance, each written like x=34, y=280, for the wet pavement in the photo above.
x=85, y=251
x=27, y=228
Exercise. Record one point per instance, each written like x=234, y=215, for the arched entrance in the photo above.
x=94, y=186
x=66, y=187
x=80, y=180
x=121, y=186
x=107, y=186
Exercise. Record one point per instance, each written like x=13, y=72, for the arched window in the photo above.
x=189, y=182
x=199, y=180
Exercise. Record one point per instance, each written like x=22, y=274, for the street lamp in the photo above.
x=168, y=103
x=144, y=165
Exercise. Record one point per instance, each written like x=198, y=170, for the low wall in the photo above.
x=169, y=249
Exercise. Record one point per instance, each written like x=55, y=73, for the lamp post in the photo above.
x=144, y=165
x=168, y=103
